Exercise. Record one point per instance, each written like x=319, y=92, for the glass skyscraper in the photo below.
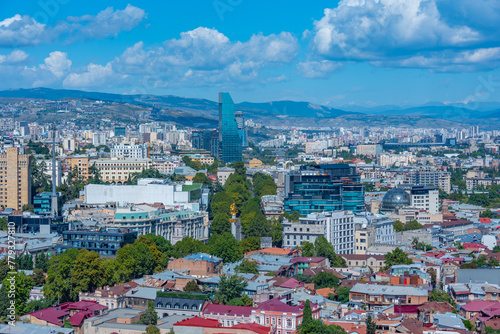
x=318, y=188
x=229, y=138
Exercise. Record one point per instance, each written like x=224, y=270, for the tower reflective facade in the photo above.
x=229, y=138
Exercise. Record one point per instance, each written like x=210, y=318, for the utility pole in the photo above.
x=54, y=207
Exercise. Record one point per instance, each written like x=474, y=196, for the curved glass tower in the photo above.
x=229, y=138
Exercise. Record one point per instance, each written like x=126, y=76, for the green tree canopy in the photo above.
x=220, y=224
x=247, y=266
x=191, y=286
x=230, y=287
x=226, y=247
x=188, y=246
x=396, y=257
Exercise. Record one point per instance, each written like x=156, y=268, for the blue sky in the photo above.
x=337, y=53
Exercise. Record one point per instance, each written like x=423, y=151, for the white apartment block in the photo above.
x=424, y=198
x=336, y=226
x=130, y=151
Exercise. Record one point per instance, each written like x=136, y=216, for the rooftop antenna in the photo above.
x=54, y=194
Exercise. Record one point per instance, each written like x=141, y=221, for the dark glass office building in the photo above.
x=104, y=242
x=229, y=138
x=207, y=140
x=318, y=188
x=38, y=224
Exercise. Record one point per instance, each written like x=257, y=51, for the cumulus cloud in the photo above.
x=15, y=57
x=318, y=69
x=205, y=56
x=94, y=76
x=57, y=63
x=394, y=33
x=18, y=31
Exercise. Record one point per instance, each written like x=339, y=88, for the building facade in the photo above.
x=130, y=151
x=15, y=179
x=318, y=188
x=120, y=170
x=337, y=227
x=105, y=242
x=229, y=138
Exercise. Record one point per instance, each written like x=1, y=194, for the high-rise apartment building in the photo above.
x=318, y=188
x=207, y=140
x=131, y=151
x=427, y=175
x=15, y=179
x=229, y=139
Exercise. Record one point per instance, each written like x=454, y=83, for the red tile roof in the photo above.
x=77, y=318
x=244, y=311
x=292, y=283
x=276, y=305
x=51, y=315
x=302, y=259
x=199, y=322
x=256, y=328
x=477, y=305
x=485, y=220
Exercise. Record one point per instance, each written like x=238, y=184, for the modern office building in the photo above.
x=318, y=188
x=337, y=227
x=424, y=198
x=242, y=131
x=42, y=203
x=130, y=151
x=15, y=179
x=120, y=131
x=104, y=242
x=32, y=223
x=426, y=175
x=207, y=140
x=229, y=138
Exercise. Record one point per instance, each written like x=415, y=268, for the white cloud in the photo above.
x=318, y=69
x=94, y=76
x=16, y=56
x=57, y=63
x=20, y=30
x=205, y=56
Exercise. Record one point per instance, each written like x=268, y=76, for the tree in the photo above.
x=152, y=329
x=188, y=246
x=277, y=232
x=496, y=249
x=249, y=244
x=201, y=178
x=244, y=300
x=486, y=214
x=247, y=266
x=220, y=224
x=307, y=249
x=149, y=317
x=307, y=314
x=413, y=225
x=21, y=285
x=259, y=226
x=342, y=293
x=41, y=262
x=317, y=327
x=191, y=286
x=323, y=248
x=88, y=272
x=36, y=305
x=398, y=226
x=441, y=296
x=229, y=287
x=325, y=279
x=396, y=257
x=58, y=284
x=38, y=277
x=468, y=325
x=371, y=327
x=226, y=247
x=3, y=224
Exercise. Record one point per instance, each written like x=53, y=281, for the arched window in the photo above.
x=168, y=306
x=177, y=306
x=185, y=307
x=194, y=307
x=159, y=305
x=289, y=323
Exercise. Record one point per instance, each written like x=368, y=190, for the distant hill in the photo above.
x=203, y=113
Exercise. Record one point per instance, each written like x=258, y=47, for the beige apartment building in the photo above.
x=119, y=170
x=15, y=179
x=81, y=162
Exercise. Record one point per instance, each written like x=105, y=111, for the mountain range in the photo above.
x=203, y=113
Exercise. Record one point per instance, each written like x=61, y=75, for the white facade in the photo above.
x=148, y=191
x=69, y=144
x=427, y=201
x=336, y=226
x=48, y=170
x=99, y=138
x=131, y=151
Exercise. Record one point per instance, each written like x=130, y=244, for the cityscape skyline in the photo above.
x=427, y=51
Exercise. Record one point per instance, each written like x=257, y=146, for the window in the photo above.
x=289, y=323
